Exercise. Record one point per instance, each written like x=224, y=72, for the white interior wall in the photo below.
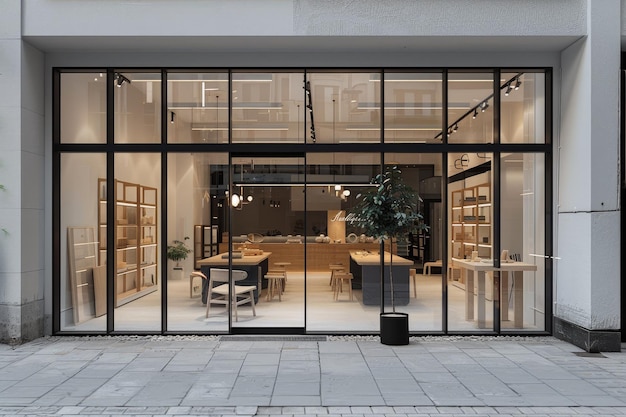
x=181, y=196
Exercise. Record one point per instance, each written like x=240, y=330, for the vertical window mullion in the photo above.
x=163, y=199
x=496, y=201
x=110, y=198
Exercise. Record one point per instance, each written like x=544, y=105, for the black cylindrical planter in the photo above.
x=394, y=328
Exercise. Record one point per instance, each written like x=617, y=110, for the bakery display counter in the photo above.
x=318, y=255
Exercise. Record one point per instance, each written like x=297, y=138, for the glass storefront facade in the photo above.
x=261, y=171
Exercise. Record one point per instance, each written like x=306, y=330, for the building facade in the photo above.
x=252, y=127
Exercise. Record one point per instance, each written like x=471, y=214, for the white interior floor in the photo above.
x=323, y=313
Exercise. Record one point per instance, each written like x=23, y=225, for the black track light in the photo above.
x=475, y=113
x=172, y=115
x=518, y=83
x=120, y=79
x=508, y=90
x=483, y=106
x=455, y=128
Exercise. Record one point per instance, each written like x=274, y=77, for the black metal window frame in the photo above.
x=110, y=148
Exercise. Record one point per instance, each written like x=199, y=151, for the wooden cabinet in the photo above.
x=136, y=238
x=470, y=222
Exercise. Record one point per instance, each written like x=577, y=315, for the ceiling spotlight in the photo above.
x=235, y=200
x=346, y=193
x=475, y=113
x=172, y=115
x=508, y=89
x=483, y=106
x=518, y=83
x=455, y=128
x=120, y=79
x=250, y=198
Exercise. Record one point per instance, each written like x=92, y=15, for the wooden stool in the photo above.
x=274, y=284
x=334, y=268
x=282, y=266
x=341, y=278
x=412, y=275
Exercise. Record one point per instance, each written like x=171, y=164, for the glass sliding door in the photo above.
x=267, y=243
x=334, y=288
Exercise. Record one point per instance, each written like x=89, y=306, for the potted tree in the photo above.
x=388, y=211
x=177, y=252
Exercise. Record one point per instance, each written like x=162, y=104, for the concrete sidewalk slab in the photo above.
x=155, y=375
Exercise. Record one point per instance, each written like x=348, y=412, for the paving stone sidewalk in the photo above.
x=297, y=376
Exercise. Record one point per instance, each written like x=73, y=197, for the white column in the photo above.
x=587, y=288
x=21, y=174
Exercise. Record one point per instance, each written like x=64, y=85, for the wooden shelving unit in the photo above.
x=136, y=238
x=470, y=222
x=205, y=243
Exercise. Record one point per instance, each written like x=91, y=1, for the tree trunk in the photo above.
x=393, y=295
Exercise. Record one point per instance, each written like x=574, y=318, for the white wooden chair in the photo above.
x=224, y=294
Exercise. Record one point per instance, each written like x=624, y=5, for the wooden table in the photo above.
x=255, y=265
x=365, y=268
x=508, y=269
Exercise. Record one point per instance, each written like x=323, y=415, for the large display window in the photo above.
x=413, y=107
x=258, y=174
x=137, y=107
x=83, y=294
x=82, y=107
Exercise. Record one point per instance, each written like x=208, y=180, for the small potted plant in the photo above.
x=387, y=212
x=177, y=252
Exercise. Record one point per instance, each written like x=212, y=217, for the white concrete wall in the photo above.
x=587, y=278
x=21, y=173
x=122, y=18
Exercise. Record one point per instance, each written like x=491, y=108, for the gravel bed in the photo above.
x=329, y=338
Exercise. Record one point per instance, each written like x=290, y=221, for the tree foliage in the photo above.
x=391, y=208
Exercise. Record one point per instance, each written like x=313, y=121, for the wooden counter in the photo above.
x=365, y=268
x=319, y=255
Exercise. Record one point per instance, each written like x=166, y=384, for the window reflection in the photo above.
x=523, y=108
x=345, y=107
x=267, y=107
x=83, y=107
x=83, y=260
x=523, y=239
x=197, y=107
x=470, y=108
x=413, y=107
x=137, y=107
